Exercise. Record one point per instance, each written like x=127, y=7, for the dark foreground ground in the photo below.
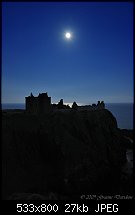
x=64, y=155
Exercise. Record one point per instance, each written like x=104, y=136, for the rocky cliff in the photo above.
x=68, y=153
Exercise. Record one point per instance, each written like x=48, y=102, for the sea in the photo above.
x=123, y=112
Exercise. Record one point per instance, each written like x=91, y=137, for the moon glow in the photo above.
x=68, y=35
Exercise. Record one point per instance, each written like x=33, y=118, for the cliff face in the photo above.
x=70, y=153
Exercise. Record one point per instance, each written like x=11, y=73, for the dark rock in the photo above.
x=74, y=106
x=32, y=196
x=40, y=152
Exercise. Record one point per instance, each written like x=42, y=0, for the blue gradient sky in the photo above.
x=96, y=64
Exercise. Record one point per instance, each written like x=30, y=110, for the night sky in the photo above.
x=96, y=63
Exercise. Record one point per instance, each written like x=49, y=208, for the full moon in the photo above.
x=68, y=35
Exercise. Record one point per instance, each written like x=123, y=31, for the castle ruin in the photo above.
x=40, y=104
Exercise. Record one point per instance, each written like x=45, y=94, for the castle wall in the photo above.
x=44, y=104
x=31, y=104
x=38, y=105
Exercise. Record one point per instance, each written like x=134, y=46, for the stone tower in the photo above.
x=38, y=105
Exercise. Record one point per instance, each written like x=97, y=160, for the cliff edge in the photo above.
x=69, y=153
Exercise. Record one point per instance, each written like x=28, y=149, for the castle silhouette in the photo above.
x=42, y=104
